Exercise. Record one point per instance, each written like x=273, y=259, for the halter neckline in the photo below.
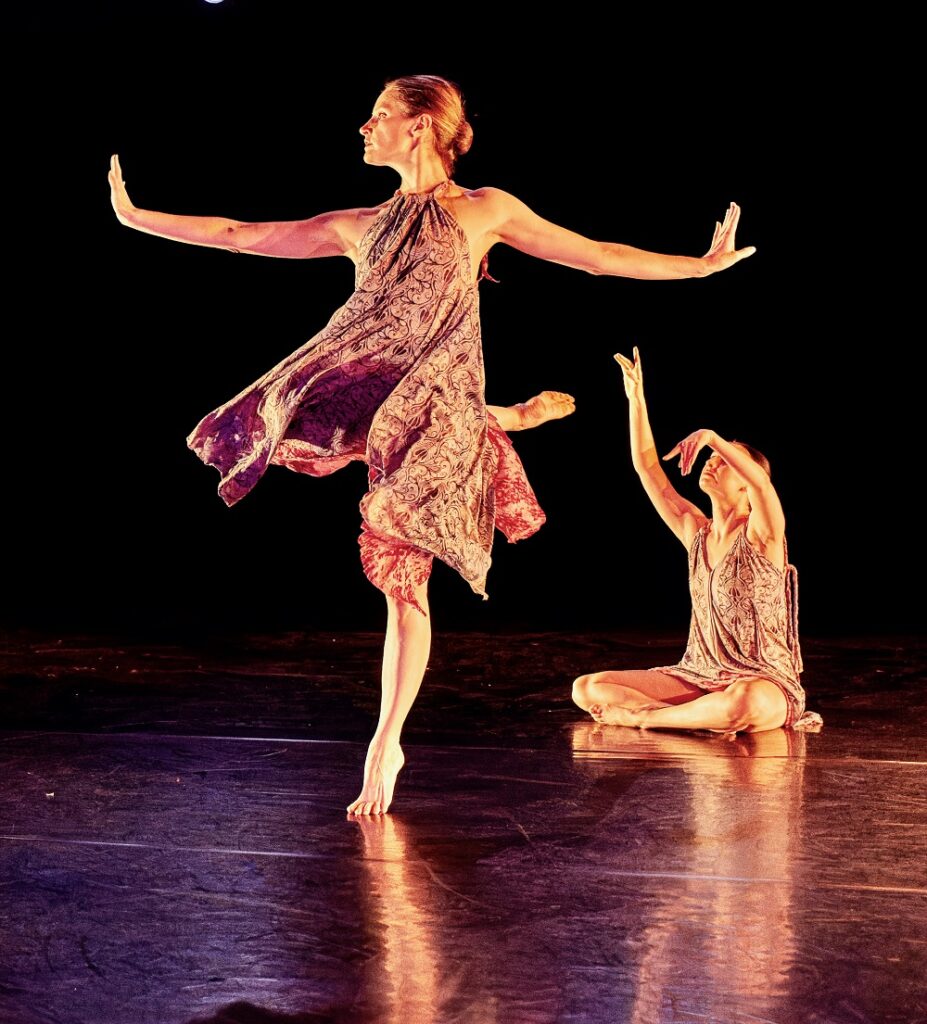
x=433, y=191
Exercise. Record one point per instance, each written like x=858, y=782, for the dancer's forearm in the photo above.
x=328, y=234
x=680, y=515
x=211, y=231
x=643, y=449
x=517, y=225
x=768, y=518
x=319, y=236
x=756, y=478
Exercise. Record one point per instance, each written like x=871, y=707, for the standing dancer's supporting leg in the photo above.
x=405, y=657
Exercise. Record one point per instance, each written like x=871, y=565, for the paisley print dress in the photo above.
x=744, y=624
x=395, y=379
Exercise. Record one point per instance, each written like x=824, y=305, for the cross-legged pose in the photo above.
x=396, y=377
x=741, y=667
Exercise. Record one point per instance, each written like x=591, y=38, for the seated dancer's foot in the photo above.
x=548, y=405
x=380, y=771
x=615, y=714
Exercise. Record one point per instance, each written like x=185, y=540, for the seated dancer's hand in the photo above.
x=722, y=253
x=633, y=374
x=117, y=190
x=689, y=447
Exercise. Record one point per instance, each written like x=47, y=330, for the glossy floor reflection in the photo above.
x=174, y=847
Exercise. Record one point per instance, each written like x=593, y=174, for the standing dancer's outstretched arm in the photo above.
x=517, y=225
x=328, y=234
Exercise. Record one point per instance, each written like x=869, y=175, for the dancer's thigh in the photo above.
x=658, y=686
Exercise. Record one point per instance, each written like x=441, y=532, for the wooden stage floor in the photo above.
x=174, y=847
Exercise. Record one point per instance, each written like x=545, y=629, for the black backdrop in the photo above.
x=120, y=342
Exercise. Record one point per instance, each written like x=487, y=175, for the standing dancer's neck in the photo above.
x=422, y=173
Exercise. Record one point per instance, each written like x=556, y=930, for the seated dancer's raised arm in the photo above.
x=679, y=514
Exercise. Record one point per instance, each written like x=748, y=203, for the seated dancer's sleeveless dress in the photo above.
x=744, y=624
x=395, y=379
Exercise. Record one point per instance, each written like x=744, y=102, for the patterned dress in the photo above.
x=395, y=379
x=744, y=624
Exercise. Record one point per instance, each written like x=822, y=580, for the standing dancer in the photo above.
x=396, y=377
x=741, y=667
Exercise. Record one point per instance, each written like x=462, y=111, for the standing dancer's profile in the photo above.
x=395, y=379
x=741, y=667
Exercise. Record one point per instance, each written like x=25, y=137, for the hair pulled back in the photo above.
x=758, y=457
x=443, y=100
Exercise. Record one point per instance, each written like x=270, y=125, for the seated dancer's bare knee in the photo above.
x=756, y=705
x=587, y=689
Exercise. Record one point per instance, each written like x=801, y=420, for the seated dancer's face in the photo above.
x=718, y=477
x=386, y=132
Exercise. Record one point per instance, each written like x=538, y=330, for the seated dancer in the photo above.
x=740, y=671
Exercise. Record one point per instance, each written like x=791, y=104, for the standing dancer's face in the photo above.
x=387, y=133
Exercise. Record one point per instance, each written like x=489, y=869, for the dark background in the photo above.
x=119, y=342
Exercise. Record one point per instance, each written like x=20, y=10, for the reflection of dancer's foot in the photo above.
x=379, y=836
x=380, y=771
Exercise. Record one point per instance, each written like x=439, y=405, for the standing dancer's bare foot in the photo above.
x=548, y=405
x=380, y=771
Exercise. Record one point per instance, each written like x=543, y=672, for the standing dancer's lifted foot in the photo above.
x=548, y=405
